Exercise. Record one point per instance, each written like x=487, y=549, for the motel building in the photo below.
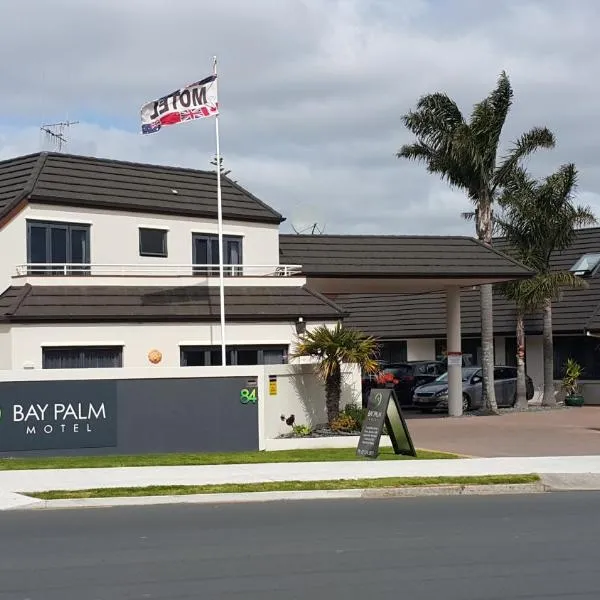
x=110, y=269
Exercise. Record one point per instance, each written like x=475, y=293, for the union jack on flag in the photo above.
x=191, y=114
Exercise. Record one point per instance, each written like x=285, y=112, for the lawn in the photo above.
x=229, y=458
x=278, y=486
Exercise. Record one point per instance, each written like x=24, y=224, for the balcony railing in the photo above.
x=153, y=270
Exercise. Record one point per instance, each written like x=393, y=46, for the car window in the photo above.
x=421, y=369
x=399, y=371
x=501, y=373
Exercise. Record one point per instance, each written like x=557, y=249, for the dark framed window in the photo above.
x=82, y=357
x=583, y=349
x=393, y=352
x=153, y=242
x=58, y=244
x=210, y=356
x=205, y=251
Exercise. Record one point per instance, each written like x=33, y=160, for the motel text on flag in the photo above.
x=194, y=101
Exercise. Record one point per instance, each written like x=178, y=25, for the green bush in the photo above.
x=301, y=429
x=355, y=411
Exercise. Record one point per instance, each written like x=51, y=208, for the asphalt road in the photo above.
x=462, y=548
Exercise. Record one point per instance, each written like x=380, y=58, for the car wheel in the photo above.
x=466, y=403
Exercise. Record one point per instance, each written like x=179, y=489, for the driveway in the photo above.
x=561, y=432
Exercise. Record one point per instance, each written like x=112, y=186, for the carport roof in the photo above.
x=425, y=263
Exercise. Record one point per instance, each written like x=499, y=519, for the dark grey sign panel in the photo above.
x=45, y=415
x=383, y=408
x=129, y=416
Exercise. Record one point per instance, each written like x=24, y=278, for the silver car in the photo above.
x=434, y=395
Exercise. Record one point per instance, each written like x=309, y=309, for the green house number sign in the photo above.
x=249, y=394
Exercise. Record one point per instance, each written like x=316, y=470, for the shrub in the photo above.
x=344, y=423
x=301, y=430
x=355, y=411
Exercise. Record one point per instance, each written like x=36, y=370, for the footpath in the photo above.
x=557, y=473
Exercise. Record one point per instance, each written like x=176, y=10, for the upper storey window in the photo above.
x=587, y=265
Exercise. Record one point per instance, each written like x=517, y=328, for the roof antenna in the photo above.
x=54, y=134
x=306, y=220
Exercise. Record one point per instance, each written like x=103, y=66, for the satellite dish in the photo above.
x=307, y=218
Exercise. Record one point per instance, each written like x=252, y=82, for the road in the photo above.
x=451, y=548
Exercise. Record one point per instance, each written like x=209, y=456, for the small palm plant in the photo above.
x=570, y=383
x=332, y=348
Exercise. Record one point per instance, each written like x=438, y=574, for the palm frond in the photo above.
x=529, y=142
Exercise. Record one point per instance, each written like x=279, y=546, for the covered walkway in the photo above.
x=354, y=264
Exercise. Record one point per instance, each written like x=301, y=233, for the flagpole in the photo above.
x=220, y=230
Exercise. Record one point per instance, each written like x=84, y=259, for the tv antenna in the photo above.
x=54, y=134
x=305, y=220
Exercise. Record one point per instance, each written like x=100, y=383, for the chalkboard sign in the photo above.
x=383, y=408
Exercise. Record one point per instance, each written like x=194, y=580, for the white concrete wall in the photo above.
x=114, y=237
x=139, y=339
x=300, y=392
x=5, y=347
x=420, y=349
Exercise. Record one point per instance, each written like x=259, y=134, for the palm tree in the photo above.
x=332, y=348
x=539, y=219
x=466, y=155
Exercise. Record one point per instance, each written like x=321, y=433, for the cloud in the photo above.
x=311, y=91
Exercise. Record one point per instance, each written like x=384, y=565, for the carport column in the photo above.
x=453, y=347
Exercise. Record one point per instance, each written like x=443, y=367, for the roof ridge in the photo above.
x=326, y=300
x=19, y=299
x=502, y=254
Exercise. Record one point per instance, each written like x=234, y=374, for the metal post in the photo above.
x=453, y=344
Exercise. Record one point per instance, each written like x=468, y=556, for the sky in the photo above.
x=311, y=92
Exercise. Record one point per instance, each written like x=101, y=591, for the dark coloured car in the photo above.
x=434, y=395
x=409, y=375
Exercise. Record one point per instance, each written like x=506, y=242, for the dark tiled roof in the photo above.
x=17, y=178
x=396, y=256
x=81, y=181
x=394, y=316
x=194, y=303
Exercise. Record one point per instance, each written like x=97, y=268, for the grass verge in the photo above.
x=229, y=458
x=283, y=486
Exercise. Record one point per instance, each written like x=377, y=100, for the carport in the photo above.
x=376, y=264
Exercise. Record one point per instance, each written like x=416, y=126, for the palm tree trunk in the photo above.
x=485, y=229
x=549, y=398
x=333, y=392
x=521, y=385
x=487, y=349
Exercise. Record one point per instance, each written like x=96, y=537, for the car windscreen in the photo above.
x=466, y=375
x=399, y=371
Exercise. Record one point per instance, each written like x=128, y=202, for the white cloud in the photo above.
x=311, y=90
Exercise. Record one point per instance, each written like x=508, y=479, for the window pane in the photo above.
x=79, y=246
x=37, y=244
x=274, y=356
x=153, y=242
x=214, y=252
x=193, y=358
x=82, y=358
x=58, y=249
x=247, y=356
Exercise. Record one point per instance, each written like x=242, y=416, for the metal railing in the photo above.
x=153, y=270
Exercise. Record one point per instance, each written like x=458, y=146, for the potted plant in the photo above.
x=386, y=380
x=570, y=383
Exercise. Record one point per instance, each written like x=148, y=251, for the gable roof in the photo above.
x=397, y=316
x=82, y=181
x=396, y=256
x=89, y=303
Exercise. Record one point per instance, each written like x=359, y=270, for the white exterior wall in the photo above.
x=534, y=355
x=114, y=237
x=139, y=339
x=300, y=392
x=5, y=347
x=420, y=349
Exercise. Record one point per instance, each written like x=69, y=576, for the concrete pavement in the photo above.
x=471, y=548
x=13, y=482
